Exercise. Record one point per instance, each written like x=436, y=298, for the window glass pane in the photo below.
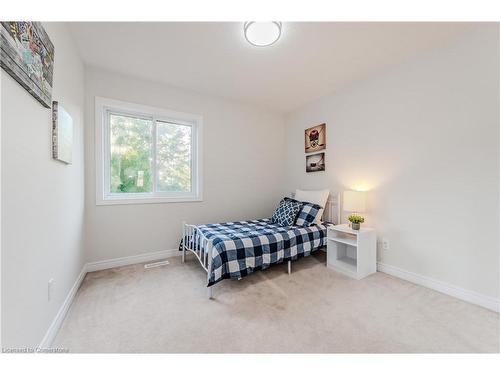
x=173, y=157
x=130, y=147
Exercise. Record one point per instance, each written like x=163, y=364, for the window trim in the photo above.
x=102, y=153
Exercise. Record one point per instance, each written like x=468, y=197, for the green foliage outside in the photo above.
x=174, y=157
x=131, y=158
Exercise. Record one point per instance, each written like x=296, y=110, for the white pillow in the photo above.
x=313, y=196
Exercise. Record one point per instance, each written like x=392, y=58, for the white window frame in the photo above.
x=103, y=107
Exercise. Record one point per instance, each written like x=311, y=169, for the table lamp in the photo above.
x=354, y=202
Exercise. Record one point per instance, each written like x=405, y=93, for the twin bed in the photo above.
x=234, y=250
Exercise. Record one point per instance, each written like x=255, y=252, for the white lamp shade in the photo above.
x=354, y=201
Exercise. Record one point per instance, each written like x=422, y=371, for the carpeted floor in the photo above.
x=130, y=309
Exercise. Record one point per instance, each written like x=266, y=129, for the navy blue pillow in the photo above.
x=307, y=214
x=287, y=211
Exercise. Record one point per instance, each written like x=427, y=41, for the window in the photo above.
x=146, y=155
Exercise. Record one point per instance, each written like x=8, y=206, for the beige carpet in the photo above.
x=130, y=309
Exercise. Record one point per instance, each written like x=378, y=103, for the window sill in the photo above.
x=153, y=200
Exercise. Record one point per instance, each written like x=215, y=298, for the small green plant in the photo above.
x=356, y=219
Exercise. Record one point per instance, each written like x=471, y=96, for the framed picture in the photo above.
x=315, y=163
x=27, y=54
x=315, y=138
x=62, y=134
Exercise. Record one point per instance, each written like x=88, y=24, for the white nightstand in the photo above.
x=352, y=252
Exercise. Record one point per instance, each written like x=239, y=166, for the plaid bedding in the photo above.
x=239, y=248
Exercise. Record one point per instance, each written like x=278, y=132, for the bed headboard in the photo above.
x=332, y=211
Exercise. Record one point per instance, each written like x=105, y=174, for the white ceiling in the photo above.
x=309, y=61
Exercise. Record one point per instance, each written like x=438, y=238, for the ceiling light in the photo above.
x=262, y=34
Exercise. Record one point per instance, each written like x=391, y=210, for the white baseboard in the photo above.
x=487, y=302
x=96, y=266
x=133, y=259
x=61, y=314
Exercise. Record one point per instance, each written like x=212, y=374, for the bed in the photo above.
x=235, y=249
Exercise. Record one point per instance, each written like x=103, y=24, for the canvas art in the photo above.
x=315, y=163
x=62, y=134
x=315, y=138
x=27, y=54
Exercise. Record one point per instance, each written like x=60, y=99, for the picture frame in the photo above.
x=315, y=138
x=27, y=55
x=62, y=134
x=315, y=163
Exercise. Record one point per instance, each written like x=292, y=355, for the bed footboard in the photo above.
x=194, y=241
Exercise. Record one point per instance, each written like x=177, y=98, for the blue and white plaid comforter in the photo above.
x=241, y=247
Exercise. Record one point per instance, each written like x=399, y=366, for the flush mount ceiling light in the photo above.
x=262, y=34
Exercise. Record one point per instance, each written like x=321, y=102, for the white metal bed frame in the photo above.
x=202, y=246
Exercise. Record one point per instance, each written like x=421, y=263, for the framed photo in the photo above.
x=315, y=138
x=62, y=134
x=315, y=163
x=27, y=54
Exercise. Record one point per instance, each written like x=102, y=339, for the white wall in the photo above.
x=243, y=163
x=423, y=138
x=42, y=200
x=498, y=135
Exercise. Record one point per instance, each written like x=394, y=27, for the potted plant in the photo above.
x=356, y=221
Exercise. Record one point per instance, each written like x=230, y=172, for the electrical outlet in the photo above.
x=50, y=287
x=385, y=244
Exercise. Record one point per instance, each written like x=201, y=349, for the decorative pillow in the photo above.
x=318, y=197
x=307, y=215
x=287, y=211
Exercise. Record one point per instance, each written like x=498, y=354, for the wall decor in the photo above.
x=27, y=54
x=62, y=134
x=315, y=163
x=315, y=138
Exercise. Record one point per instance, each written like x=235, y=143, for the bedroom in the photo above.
x=346, y=195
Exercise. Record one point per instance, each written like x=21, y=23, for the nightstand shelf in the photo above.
x=352, y=252
x=346, y=241
x=349, y=264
